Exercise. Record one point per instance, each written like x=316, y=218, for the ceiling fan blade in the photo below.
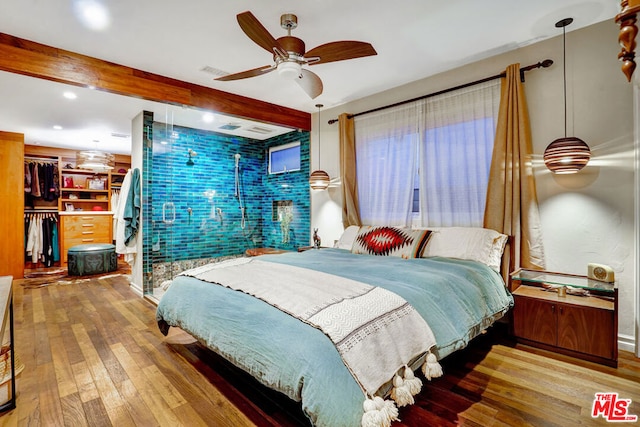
x=339, y=51
x=259, y=34
x=249, y=73
x=310, y=83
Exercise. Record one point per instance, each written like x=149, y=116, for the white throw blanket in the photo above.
x=376, y=332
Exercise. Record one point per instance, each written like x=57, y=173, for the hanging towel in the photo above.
x=131, y=213
x=128, y=249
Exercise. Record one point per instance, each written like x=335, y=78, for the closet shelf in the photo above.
x=82, y=190
x=83, y=172
x=85, y=200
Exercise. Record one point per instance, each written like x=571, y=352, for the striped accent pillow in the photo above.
x=390, y=241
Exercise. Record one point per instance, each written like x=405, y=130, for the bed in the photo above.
x=457, y=297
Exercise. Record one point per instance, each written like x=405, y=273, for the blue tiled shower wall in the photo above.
x=208, y=225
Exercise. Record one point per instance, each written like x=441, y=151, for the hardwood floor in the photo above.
x=94, y=356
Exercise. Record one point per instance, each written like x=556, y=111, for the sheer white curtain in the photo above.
x=386, y=153
x=458, y=130
x=439, y=146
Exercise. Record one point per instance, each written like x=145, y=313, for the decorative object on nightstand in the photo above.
x=600, y=272
x=565, y=313
x=316, y=239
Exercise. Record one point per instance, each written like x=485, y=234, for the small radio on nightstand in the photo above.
x=601, y=272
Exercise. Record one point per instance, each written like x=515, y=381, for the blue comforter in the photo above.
x=457, y=298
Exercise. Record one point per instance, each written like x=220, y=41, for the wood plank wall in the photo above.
x=11, y=204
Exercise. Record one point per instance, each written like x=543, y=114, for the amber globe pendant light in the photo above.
x=319, y=179
x=569, y=154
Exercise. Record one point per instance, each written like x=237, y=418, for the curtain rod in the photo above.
x=544, y=64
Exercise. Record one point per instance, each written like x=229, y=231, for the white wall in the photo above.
x=137, y=141
x=587, y=217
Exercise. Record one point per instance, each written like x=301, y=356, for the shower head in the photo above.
x=191, y=154
x=237, y=157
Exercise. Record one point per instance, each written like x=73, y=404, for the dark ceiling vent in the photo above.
x=119, y=135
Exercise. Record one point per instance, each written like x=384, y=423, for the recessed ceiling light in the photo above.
x=208, y=117
x=70, y=95
x=92, y=14
x=57, y=127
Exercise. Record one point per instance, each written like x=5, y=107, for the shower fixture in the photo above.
x=210, y=194
x=237, y=190
x=237, y=183
x=191, y=154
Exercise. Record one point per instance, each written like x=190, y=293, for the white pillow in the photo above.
x=472, y=243
x=347, y=238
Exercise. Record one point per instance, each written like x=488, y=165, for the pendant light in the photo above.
x=319, y=179
x=569, y=154
x=94, y=160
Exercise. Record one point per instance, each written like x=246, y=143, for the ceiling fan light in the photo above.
x=319, y=180
x=289, y=70
x=566, y=155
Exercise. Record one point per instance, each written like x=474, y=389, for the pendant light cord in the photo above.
x=319, y=148
x=564, y=76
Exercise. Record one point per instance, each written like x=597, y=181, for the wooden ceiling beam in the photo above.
x=45, y=62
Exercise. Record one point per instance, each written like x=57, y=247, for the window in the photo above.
x=454, y=173
x=284, y=158
x=428, y=161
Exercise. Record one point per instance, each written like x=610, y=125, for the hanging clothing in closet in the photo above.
x=115, y=199
x=41, y=180
x=41, y=238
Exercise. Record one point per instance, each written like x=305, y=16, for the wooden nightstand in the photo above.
x=581, y=326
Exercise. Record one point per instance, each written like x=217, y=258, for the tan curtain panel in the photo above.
x=512, y=202
x=350, y=207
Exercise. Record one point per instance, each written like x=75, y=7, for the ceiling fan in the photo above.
x=289, y=53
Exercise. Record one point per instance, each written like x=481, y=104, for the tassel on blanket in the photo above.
x=431, y=367
x=379, y=413
x=413, y=384
x=388, y=408
x=401, y=392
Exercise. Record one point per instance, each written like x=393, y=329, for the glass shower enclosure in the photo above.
x=210, y=198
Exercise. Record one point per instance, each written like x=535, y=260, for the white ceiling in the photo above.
x=414, y=39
